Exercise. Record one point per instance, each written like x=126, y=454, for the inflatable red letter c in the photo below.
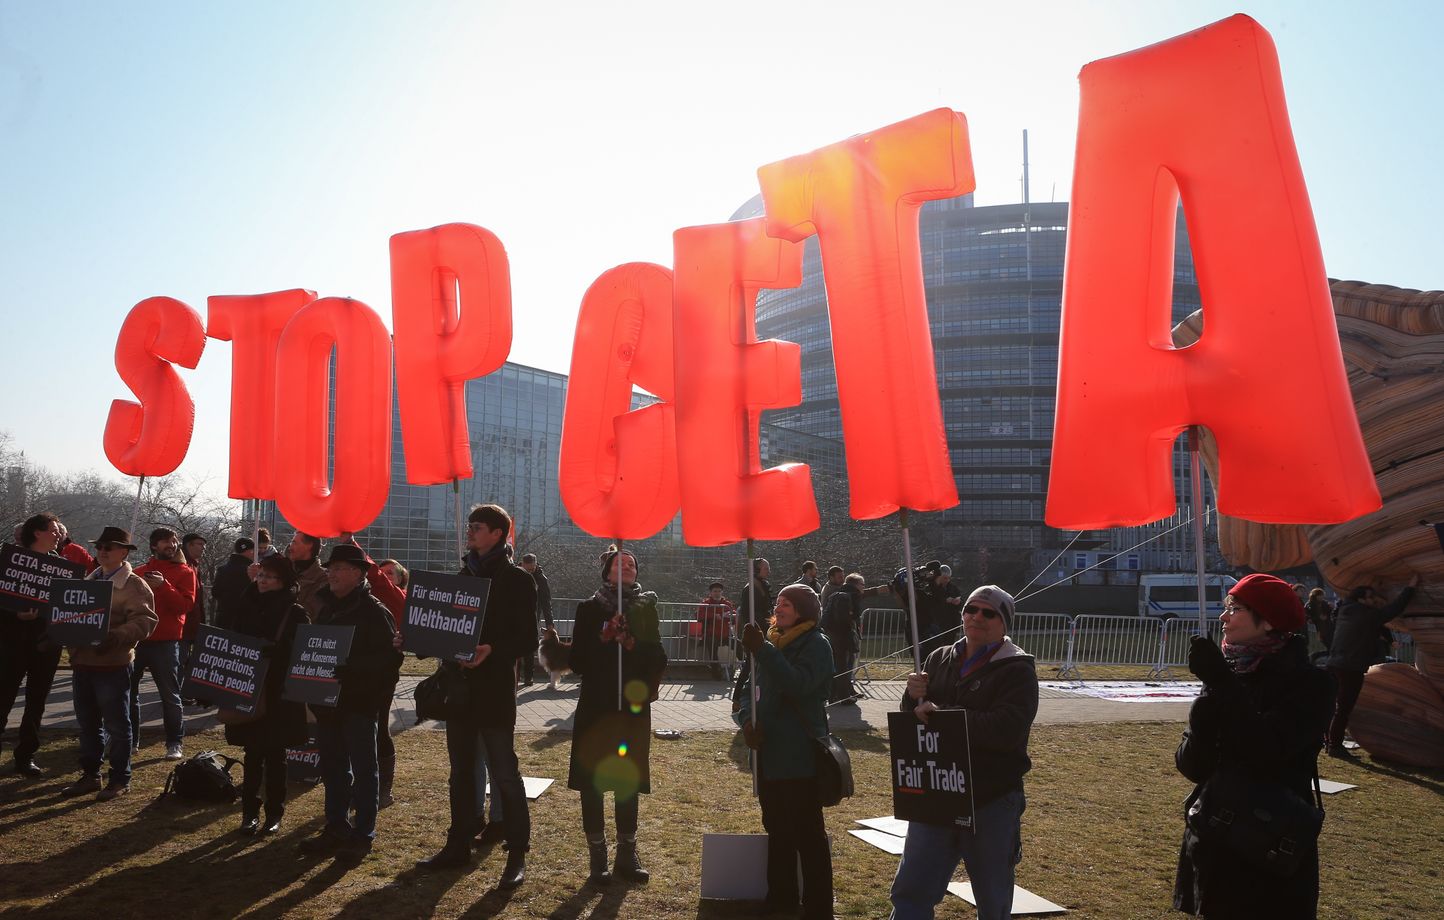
x=150, y=438
x=618, y=468
x=363, y=417
x=1201, y=115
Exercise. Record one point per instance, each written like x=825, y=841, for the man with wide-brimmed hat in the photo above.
x=346, y=732
x=101, y=681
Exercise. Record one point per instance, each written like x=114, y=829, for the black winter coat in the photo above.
x=842, y=622
x=284, y=722
x=229, y=589
x=1356, y=632
x=1002, y=700
x=369, y=675
x=599, y=727
x=509, y=627
x=1269, y=725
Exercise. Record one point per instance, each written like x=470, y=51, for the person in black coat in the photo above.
x=1261, y=717
x=758, y=592
x=229, y=585
x=1355, y=647
x=26, y=655
x=485, y=710
x=346, y=733
x=620, y=659
x=269, y=611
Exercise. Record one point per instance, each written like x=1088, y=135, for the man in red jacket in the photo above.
x=74, y=551
x=174, y=585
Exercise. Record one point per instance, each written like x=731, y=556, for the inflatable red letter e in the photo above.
x=618, y=468
x=363, y=417
x=150, y=438
x=861, y=197
x=451, y=309
x=725, y=378
x=1201, y=115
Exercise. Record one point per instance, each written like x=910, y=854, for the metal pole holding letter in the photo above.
x=621, y=612
x=1195, y=476
x=135, y=509
x=912, y=591
x=752, y=658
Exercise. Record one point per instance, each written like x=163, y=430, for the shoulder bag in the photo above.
x=1264, y=823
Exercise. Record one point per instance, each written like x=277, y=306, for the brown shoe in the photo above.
x=83, y=786
x=112, y=791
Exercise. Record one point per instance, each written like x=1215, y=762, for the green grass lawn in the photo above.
x=1100, y=837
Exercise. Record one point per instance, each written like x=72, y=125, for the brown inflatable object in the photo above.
x=1392, y=341
x=1400, y=716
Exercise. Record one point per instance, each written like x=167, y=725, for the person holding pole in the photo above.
x=793, y=663
x=26, y=656
x=485, y=715
x=616, y=643
x=994, y=680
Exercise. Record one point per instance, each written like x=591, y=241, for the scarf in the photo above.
x=616, y=628
x=475, y=561
x=781, y=637
x=607, y=595
x=1245, y=657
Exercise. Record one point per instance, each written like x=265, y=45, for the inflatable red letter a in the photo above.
x=1201, y=116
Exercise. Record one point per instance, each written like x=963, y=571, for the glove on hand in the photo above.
x=1206, y=661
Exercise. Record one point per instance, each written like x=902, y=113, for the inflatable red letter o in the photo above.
x=363, y=417
x=726, y=380
x=451, y=311
x=252, y=323
x=862, y=197
x=1201, y=115
x=618, y=468
x=150, y=438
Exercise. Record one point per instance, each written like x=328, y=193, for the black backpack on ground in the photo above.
x=205, y=777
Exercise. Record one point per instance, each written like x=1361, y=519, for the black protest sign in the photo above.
x=25, y=577
x=79, y=611
x=318, y=652
x=303, y=764
x=930, y=767
x=443, y=615
x=227, y=669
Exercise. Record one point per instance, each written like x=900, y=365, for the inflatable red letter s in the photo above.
x=363, y=417
x=1200, y=115
x=861, y=197
x=151, y=438
x=451, y=309
x=253, y=324
x=618, y=468
x=725, y=381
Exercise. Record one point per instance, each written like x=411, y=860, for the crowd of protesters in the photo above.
x=1262, y=717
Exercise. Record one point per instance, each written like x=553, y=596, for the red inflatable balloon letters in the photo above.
x=451, y=309
x=861, y=197
x=253, y=324
x=727, y=380
x=150, y=438
x=1201, y=115
x=363, y=417
x=618, y=468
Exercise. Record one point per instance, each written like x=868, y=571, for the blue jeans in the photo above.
x=347, y=741
x=163, y=660
x=102, y=698
x=498, y=811
x=990, y=852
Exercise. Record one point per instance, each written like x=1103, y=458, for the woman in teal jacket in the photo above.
x=793, y=669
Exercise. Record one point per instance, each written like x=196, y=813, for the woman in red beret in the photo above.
x=1252, y=746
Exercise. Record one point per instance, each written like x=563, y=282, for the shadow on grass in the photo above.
x=608, y=903
x=552, y=738
x=419, y=890
x=1423, y=777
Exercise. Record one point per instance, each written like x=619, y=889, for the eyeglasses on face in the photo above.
x=988, y=612
x=1233, y=608
x=474, y=526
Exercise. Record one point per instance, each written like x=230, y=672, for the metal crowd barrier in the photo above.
x=1069, y=643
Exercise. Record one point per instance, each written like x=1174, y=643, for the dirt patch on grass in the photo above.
x=1100, y=837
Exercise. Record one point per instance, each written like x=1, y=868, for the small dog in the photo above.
x=555, y=655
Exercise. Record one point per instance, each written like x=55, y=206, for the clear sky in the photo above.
x=191, y=149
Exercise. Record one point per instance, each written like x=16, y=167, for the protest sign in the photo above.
x=443, y=615
x=303, y=764
x=317, y=653
x=227, y=669
x=930, y=767
x=79, y=611
x=25, y=577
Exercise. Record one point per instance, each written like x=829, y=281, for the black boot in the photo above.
x=597, y=859
x=515, y=872
x=250, y=817
x=628, y=866
x=272, y=823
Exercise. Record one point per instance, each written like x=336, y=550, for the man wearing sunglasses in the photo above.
x=986, y=674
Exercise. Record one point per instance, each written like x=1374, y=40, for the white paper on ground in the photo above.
x=1025, y=902
x=535, y=786
x=888, y=825
x=734, y=867
x=1329, y=787
x=888, y=843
